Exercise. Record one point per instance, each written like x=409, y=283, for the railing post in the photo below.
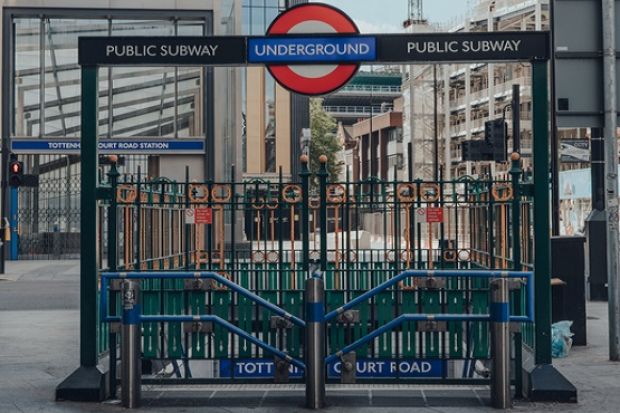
x=515, y=174
x=131, y=366
x=315, y=343
x=501, y=397
x=112, y=266
x=305, y=214
x=323, y=175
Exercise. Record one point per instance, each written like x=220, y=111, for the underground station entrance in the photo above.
x=453, y=290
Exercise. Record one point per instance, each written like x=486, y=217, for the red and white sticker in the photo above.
x=429, y=215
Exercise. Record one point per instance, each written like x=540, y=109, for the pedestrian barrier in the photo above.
x=315, y=328
x=407, y=273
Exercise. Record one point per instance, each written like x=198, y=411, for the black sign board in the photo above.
x=162, y=51
x=463, y=47
x=395, y=48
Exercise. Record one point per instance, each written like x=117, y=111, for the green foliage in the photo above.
x=324, y=139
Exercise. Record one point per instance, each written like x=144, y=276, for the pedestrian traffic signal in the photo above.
x=16, y=173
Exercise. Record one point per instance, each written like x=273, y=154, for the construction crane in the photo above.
x=415, y=13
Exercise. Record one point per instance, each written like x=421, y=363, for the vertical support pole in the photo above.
x=315, y=343
x=515, y=175
x=305, y=214
x=611, y=174
x=14, y=224
x=112, y=262
x=187, y=227
x=501, y=397
x=323, y=174
x=542, y=243
x=131, y=366
x=88, y=219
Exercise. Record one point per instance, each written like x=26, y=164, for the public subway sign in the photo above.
x=109, y=146
x=314, y=49
x=161, y=51
x=462, y=47
x=365, y=368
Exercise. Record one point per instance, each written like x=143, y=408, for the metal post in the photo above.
x=315, y=343
x=542, y=241
x=88, y=219
x=305, y=213
x=323, y=174
x=501, y=397
x=131, y=366
x=112, y=263
x=611, y=173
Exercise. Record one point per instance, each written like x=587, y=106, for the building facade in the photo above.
x=41, y=100
x=273, y=117
x=466, y=96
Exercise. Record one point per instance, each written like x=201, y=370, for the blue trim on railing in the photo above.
x=228, y=326
x=440, y=274
x=204, y=276
x=500, y=312
x=132, y=316
x=397, y=322
x=315, y=312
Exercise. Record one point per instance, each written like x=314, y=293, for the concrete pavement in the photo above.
x=39, y=348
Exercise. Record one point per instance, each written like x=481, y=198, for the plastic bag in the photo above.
x=561, y=339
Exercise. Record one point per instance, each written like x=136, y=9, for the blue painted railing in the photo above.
x=529, y=317
x=105, y=317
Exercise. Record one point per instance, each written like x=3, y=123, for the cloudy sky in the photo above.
x=388, y=15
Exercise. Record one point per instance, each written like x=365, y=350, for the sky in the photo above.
x=388, y=15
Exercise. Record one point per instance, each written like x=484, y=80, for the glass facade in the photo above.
x=133, y=101
x=257, y=16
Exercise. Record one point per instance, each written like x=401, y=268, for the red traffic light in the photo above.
x=16, y=167
x=16, y=173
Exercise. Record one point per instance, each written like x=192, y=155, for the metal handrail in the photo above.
x=228, y=326
x=105, y=276
x=430, y=317
x=529, y=317
x=397, y=322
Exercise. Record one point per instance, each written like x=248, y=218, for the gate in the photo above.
x=221, y=270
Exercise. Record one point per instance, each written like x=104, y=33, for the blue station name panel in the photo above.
x=110, y=146
x=328, y=49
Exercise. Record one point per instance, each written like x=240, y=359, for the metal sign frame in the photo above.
x=538, y=58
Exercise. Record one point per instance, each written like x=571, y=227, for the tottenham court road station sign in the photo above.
x=314, y=49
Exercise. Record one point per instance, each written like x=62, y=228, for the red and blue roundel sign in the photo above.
x=302, y=54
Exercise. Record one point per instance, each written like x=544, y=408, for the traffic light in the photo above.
x=495, y=134
x=16, y=172
x=475, y=151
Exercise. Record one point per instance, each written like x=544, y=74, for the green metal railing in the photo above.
x=266, y=236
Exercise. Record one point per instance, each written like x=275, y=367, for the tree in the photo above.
x=324, y=140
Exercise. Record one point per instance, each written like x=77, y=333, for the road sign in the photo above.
x=315, y=19
x=429, y=215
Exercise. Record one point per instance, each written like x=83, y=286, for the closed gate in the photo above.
x=221, y=270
